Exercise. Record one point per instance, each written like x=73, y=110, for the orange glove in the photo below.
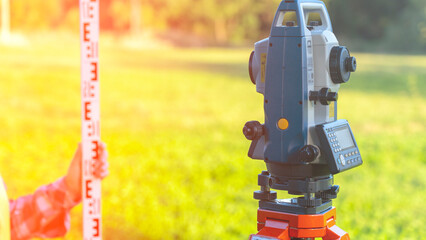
x=73, y=177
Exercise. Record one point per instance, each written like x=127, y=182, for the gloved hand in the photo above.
x=73, y=177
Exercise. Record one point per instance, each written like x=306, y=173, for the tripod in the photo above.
x=308, y=217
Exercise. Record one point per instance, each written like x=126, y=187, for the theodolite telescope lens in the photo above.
x=252, y=78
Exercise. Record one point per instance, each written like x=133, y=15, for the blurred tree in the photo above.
x=391, y=25
x=135, y=21
x=382, y=24
x=365, y=18
x=218, y=21
x=34, y=15
x=5, y=20
x=117, y=17
x=65, y=7
x=408, y=33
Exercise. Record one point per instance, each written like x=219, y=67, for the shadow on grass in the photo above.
x=123, y=233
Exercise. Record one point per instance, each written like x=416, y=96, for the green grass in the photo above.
x=172, y=120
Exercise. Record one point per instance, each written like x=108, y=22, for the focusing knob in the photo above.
x=253, y=130
x=341, y=64
x=308, y=153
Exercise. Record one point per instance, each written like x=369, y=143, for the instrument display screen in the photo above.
x=345, y=138
x=338, y=145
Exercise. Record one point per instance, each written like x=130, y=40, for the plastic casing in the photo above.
x=297, y=62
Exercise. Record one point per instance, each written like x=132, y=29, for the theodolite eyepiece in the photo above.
x=341, y=64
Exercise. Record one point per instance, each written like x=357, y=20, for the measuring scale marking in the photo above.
x=90, y=117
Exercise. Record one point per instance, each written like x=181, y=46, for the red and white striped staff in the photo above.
x=90, y=109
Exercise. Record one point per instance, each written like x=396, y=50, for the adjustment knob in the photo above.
x=308, y=153
x=332, y=97
x=334, y=190
x=331, y=193
x=324, y=96
x=253, y=130
x=309, y=202
x=341, y=64
x=266, y=196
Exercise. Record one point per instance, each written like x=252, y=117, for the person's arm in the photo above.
x=45, y=213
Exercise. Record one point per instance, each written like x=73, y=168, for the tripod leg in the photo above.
x=335, y=233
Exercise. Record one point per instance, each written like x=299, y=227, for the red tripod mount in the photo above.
x=273, y=225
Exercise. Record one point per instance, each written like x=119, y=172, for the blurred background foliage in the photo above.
x=364, y=25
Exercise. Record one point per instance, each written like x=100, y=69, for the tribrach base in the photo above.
x=287, y=207
x=274, y=225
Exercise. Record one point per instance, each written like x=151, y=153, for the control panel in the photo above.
x=339, y=146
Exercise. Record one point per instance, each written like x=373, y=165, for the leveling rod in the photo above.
x=90, y=118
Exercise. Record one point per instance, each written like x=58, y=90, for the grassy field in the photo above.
x=172, y=120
